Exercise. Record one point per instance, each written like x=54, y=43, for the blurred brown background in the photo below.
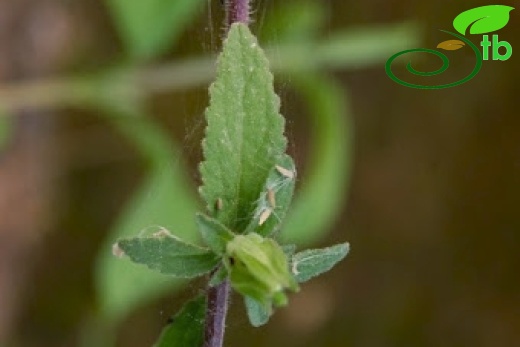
x=432, y=212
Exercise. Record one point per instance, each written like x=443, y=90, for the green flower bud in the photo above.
x=259, y=269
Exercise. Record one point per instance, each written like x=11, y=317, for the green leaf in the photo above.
x=484, y=19
x=218, y=277
x=187, y=326
x=121, y=284
x=169, y=255
x=164, y=198
x=289, y=250
x=293, y=22
x=150, y=27
x=244, y=135
x=214, y=234
x=256, y=312
x=324, y=187
x=275, y=198
x=313, y=262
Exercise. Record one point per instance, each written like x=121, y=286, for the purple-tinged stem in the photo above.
x=237, y=11
x=216, y=311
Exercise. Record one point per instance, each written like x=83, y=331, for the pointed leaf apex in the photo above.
x=313, y=262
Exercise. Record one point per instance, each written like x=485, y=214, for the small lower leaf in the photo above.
x=214, y=233
x=187, y=327
x=314, y=262
x=169, y=255
x=257, y=313
x=218, y=277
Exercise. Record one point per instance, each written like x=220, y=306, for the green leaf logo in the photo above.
x=484, y=19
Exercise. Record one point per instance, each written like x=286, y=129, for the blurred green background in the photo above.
x=101, y=117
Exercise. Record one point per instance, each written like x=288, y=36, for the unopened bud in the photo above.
x=259, y=269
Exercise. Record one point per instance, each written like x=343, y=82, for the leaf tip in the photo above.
x=117, y=251
x=162, y=233
x=346, y=247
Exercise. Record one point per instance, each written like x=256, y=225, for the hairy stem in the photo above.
x=216, y=311
x=237, y=11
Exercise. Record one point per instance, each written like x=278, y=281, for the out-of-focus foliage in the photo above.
x=164, y=199
x=149, y=27
x=5, y=128
x=318, y=201
x=293, y=22
x=353, y=48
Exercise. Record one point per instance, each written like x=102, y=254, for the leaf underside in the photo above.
x=256, y=312
x=244, y=135
x=313, y=262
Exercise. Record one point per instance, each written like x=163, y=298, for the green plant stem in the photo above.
x=237, y=11
x=216, y=311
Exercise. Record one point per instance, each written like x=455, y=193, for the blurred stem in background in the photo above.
x=356, y=48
